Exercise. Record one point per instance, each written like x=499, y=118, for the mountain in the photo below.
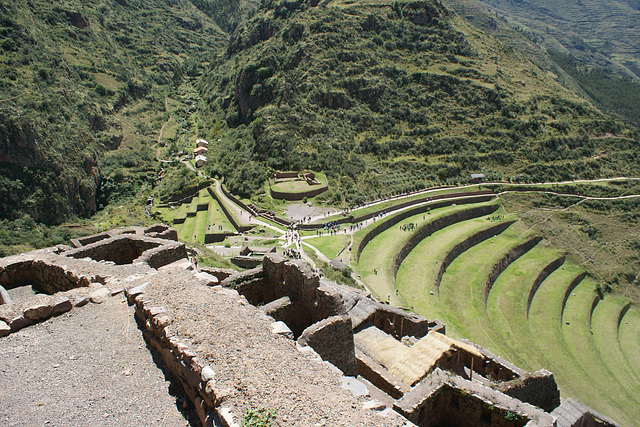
x=387, y=97
x=599, y=33
x=594, y=44
x=82, y=83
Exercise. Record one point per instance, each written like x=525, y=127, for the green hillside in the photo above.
x=595, y=43
x=389, y=97
x=83, y=88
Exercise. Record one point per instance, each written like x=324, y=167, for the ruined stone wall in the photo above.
x=438, y=224
x=399, y=325
x=553, y=266
x=163, y=255
x=255, y=290
x=500, y=266
x=47, y=277
x=246, y=261
x=332, y=339
x=120, y=250
x=538, y=389
x=197, y=381
x=283, y=195
x=446, y=399
x=467, y=243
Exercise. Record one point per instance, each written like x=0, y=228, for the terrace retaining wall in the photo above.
x=553, y=266
x=574, y=283
x=500, y=266
x=467, y=243
x=435, y=225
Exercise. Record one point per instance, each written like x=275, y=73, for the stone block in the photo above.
x=80, y=301
x=281, y=328
x=39, y=312
x=207, y=278
x=18, y=323
x=134, y=292
x=100, y=295
x=207, y=374
x=62, y=305
x=4, y=329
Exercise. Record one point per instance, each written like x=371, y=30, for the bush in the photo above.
x=259, y=417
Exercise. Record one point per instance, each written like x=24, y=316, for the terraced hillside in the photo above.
x=199, y=216
x=493, y=280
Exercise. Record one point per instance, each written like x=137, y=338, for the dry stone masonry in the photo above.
x=280, y=337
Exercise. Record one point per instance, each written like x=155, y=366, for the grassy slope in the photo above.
x=590, y=29
x=588, y=367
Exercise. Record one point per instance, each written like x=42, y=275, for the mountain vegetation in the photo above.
x=601, y=38
x=391, y=97
x=82, y=85
x=101, y=99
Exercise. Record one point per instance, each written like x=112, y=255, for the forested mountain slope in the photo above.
x=385, y=97
x=79, y=79
x=388, y=97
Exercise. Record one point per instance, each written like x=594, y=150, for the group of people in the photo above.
x=332, y=227
x=292, y=253
x=408, y=227
x=495, y=218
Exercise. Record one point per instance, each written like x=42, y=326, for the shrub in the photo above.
x=259, y=417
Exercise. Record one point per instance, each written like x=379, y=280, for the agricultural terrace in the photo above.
x=493, y=280
x=196, y=217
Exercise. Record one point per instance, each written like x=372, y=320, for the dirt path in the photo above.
x=163, y=126
x=90, y=366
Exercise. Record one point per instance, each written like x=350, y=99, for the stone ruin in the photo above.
x=278, y=335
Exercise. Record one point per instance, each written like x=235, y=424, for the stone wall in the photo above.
x=227, y=214
x=132, y=248
x=48, y=278
x=185, y=195
x=378, y=375
x=196, y=380
x=385, y=225
x=246, y=261
x=550, y=268
x=445, y=399
x=332, y=339
x=500, y=266
x=467, y=243
x=285, y=195
x=435, y=225
x=539, y=389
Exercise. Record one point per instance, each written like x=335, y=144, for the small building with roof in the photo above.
x=200, y=160
x=477, y=178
